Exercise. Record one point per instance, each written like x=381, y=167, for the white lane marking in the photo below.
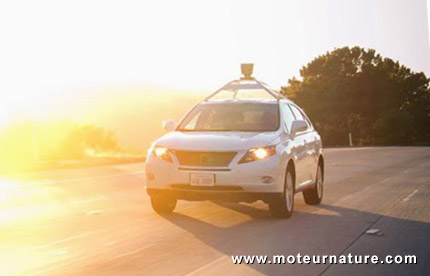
x=410, y=195
x=65, y=240
x=37, y=184
x=83, y=235
x=61, y=252
x=202, y=268
x=111, y=243
x=128, y=253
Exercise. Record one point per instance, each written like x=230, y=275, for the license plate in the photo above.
x=200, y=179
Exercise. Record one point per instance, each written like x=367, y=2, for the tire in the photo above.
x=314, y=195
x=283, y=207
x=163, y=205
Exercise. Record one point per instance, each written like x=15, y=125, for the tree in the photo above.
x=83, y=138
x=357, y=90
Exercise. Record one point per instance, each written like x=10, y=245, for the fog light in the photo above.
x=150, y=176
x=267, y=179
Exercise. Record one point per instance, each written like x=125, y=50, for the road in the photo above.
x=98, y=221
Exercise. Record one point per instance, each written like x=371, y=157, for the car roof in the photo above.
x=247, y=83
x=247, y=100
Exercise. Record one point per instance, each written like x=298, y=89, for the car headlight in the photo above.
x=259, y=153
x=162, y=153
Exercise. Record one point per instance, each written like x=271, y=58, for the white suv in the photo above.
x=238, y=150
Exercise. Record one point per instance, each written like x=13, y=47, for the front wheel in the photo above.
x=163, y=205
x=314, y=196
x=283, y=206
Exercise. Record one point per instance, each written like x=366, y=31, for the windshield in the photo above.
x=232, y=117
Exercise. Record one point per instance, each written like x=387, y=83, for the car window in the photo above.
x=307, y=119
x=232, y=117
x=192, y=123
x=299, y=115
x=296, y=112
x=288, y=116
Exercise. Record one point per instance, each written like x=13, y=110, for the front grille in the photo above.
x=205, y=159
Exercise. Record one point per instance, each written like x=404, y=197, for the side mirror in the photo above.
x=169, y=125
x=298, y=126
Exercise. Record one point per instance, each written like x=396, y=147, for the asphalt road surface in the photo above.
x=98, y=221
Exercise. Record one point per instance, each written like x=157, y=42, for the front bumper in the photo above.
x=236, y=182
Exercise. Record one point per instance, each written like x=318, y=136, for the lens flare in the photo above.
x=160, y=151
x=260, y=153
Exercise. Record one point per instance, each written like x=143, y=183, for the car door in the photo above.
x=313, y=141
x=305, y=139
x=298, y=148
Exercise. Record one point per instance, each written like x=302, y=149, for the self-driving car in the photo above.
x=240, y=148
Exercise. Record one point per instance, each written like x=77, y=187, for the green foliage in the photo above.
x=22, y=145
x=356, y=90
x=83, y=140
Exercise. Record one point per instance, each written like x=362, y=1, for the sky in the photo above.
x=52, y=52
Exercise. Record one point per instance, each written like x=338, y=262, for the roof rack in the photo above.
x=247, y=82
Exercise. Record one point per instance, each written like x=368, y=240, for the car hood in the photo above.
x=217, y=141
